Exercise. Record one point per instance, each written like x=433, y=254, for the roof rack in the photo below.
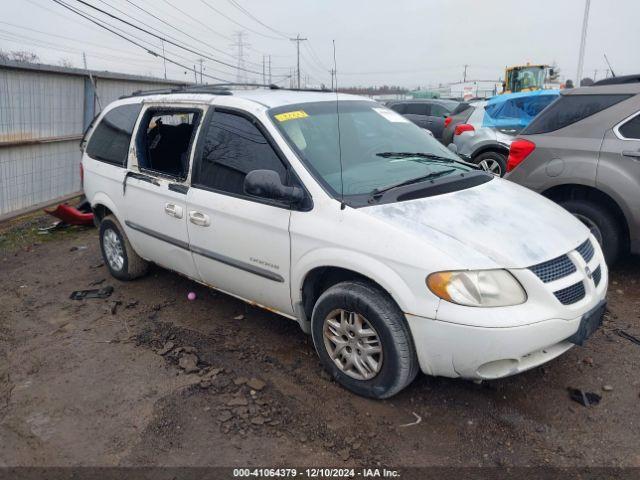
x=622, y=79
x=216, y=88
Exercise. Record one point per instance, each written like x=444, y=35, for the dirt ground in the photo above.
x=104, y=382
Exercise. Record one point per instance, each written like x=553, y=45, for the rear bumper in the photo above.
x=481, y=353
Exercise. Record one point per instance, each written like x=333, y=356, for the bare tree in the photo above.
x=20, y=56
x=66, y=62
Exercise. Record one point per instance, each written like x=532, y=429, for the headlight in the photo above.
x=482, y=288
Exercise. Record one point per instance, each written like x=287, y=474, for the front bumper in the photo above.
x=481, y=353
x=487, y=343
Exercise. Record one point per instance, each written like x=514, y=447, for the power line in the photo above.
x=246, y=12
x=158, y=30
x=315, y=56
x=187, y=48
x=151, y=52
x=238, y=23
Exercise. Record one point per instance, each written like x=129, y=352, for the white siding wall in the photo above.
x=39, y=105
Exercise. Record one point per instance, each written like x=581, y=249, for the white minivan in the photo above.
x=340, y=214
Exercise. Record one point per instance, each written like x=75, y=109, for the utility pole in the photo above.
x=464, y=75
x=201, y=62
x=195, y=75
x=84, y=60
x=164, y=60
x=269, y=69
x=583, y=41
x=264, y=73
x=298, y=40
x=241, y=75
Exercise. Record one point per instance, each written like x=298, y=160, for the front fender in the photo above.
x=368, y=266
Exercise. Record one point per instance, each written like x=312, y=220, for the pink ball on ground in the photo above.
x=191, y=295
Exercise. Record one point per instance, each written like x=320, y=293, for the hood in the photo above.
x=509, y=224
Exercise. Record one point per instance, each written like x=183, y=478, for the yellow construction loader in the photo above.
x=527, y=78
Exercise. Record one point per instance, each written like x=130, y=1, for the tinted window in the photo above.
x=570, y=109
x=398, y=107
x=631, y=129
x=417, y=109
x=110, y=140
x=438, y=111
x=234, y=146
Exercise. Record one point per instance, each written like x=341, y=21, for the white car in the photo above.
x=393, y=253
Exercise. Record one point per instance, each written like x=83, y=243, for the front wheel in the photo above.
x=363, y=340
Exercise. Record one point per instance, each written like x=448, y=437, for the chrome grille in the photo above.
x=586, y=250
x=554, y=269
x=597, y=275
x=571, y=294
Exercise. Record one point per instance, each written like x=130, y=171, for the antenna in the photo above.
x=607, y=60
x=335, y=73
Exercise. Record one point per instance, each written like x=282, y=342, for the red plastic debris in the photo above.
x=71, y=215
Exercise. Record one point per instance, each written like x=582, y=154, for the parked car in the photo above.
x=378, y=241
x=486, y=134
x=584, y=153
x=429, y=114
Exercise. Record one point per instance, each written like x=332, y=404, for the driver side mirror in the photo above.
x=267, y=184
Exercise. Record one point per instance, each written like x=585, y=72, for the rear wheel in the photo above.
x=492, y=162
x=363, y=340
x=602, y=224
x=121, y=260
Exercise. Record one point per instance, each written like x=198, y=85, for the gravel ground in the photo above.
x=147, y=377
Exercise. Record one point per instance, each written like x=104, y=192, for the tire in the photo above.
x=495, y=159
x=602, y=223
x=131, y=265
x=398, y=364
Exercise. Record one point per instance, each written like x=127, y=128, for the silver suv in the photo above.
x=583, y=152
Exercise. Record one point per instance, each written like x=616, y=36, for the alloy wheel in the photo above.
x=353, y=344
x=491, y=166
x=113, y=249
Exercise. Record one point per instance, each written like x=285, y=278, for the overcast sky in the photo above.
x=400, y=42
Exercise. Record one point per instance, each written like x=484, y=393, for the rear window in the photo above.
x=569, y=109
x=111, y=138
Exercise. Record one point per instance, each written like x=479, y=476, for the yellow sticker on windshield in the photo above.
x=283, y=117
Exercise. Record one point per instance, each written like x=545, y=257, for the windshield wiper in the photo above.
x=430, y=176
x=430, y=156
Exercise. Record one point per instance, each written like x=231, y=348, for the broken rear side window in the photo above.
x=164, y=141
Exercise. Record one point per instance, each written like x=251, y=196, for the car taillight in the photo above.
x=447, y=121
x=463, y=127
x=520, y=149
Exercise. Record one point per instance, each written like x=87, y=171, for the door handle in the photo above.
x=199, y=218
x=634, y=155
x=173, y=210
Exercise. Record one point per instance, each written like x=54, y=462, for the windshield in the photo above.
x=528, y=78
x=379, y=147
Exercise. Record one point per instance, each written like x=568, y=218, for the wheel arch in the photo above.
x=101, y=205
x=315, y=277
x=560, y=193
x=492, y=147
